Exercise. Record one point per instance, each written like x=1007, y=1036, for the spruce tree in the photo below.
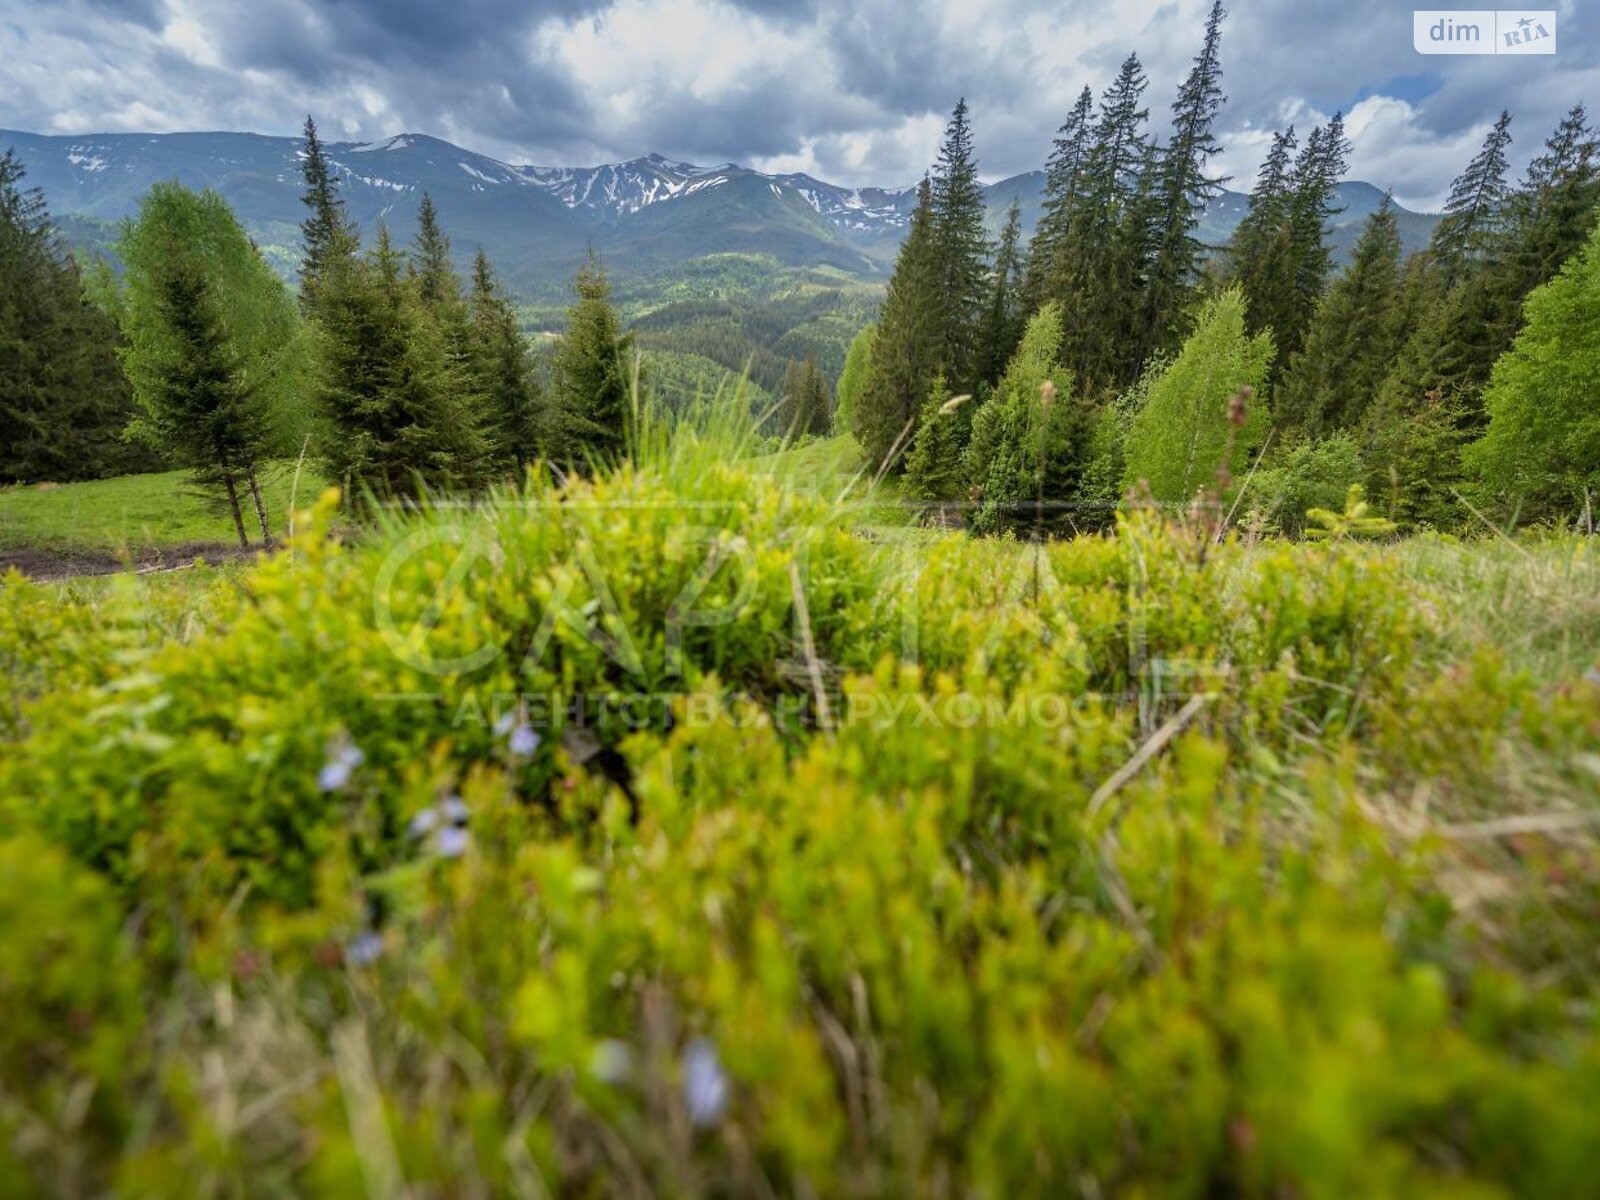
x=382, y=383
x=464, y=426
x=437, y=284
x=506, y=374
x=1003, y=313
x=594, y=371
x=1098, y=288
x=1027, y=450
x=935, y=470
x=785, y=419
x=1259, y=250
x=1462, y=320
x=1476, y=206
x=1182, y=189
x=961, y=249
x=328, y=236
x=1353, y=339
x=907, y=351
x=64, y=399
x=210, y=331
x=816, y=405
x=1313, y=203
x=1063, y=178
x=1541, y=225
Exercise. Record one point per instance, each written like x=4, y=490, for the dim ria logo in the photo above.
x=1485, y=31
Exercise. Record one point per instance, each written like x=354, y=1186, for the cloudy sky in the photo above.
x=854, y=91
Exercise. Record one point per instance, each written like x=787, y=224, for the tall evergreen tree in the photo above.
x=1003, y=313
x=210, y=329
x=1353, y=339
x=1476, y=207
x=594, y=371
x=1430, y=403
x=1279, y=255
x=506, y=373
x=438, y=290
x=1314, y=202
x=962, y=249
x=1063, y=177
x=383, y=384
x=437, y=284
x=1098, y=289
x=1259, y=251
x=907, y=351
x=64, y=399
x=1182, y=189
x=1542, y=224
x=328, y=235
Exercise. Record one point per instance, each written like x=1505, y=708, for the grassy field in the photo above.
x=133, y=516
x=661, y=834
x=134, y=513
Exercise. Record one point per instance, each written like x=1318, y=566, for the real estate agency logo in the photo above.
x=1484, y=31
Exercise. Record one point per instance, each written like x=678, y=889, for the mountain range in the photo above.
x=647, y=217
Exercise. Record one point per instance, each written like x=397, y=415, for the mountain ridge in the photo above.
x=643, y=214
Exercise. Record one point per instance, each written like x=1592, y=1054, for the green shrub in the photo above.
x=1147, y=863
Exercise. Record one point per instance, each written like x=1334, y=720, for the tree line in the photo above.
x=1408, y=376
x=393, y=374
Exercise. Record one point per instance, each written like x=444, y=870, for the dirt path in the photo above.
x=52, y=565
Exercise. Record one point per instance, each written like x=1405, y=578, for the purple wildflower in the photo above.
x=524, y=741
x=364, y=949
x=705, y=1084
x=341, y=765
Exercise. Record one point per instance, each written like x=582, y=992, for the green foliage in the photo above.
x=1356, y=519
x=935, y=466
x=961, y=252
x=1541, y=452
x=1309, y=475
x=213, y=344
x=70, y=988
x=853, y=380
x=875, y=945
x=593, y=372
x=908, y=347
x=64, y=399
x=1029, y=445
x=1182, y=434
x=506, y=371
x=1003, y=315
x=387, y=385
x=1353, y=340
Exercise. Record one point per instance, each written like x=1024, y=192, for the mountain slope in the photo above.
x=645, y=216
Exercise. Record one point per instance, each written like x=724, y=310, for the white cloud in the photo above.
x=855, y=91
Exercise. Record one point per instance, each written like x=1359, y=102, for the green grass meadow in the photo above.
x=678, y=832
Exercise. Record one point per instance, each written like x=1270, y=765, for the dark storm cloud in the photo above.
x=852, y=89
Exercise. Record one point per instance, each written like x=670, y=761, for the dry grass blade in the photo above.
x=1152, y=747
